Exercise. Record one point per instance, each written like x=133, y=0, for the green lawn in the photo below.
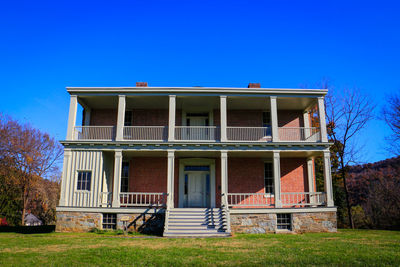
x=347, y=247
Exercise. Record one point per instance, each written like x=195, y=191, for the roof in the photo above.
x=31, y=219
x=209, y=90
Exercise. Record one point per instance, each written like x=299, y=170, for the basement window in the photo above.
x=109, y=221
x=284, y=221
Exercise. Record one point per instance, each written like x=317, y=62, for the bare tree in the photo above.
x=391, y=115
x=347, y=114
x=30, y=153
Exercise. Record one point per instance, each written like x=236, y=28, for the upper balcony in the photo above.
x=198, y=117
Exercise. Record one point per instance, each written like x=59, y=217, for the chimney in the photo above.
x=254, y=85
x=141, y=84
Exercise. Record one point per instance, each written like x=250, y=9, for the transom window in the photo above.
x=268, y=177
x=84, y=180
x=284, y=221
x=109, y=221
x=125, y=177
x=197, y=168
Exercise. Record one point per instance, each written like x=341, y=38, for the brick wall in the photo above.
x=244, y=118
x=294, y=175
x=290, y=118
x=150, y=117
x=245, y=175
x=148, y=174
x=103, y=117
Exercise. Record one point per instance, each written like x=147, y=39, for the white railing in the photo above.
x=249, y=134
x=250, y=200
x=94, y=132
x=202, y=133
x=81, y=199
x=300, y=199
x=311, y=134
x=157, y=133
x=143, y=199
x=106, y=199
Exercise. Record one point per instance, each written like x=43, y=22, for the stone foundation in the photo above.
x=149, y=223
x=301, y=222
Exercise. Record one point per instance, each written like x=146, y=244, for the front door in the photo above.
x=196, y=189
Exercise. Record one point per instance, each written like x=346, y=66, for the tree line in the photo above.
x=29, y=172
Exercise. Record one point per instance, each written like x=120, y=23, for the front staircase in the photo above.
x=196, y=222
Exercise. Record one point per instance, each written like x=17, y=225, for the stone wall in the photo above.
x=77, y=221
x=149, y=223
x=301, y=222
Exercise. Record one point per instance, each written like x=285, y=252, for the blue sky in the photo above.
x=46, y=46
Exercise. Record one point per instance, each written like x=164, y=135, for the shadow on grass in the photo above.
x=41, y=229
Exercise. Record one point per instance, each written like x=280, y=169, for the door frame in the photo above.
x=210, y=117
x=196, y=162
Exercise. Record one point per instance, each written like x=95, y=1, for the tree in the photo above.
x=347, y=114
x=27, y=154
x=391, y=115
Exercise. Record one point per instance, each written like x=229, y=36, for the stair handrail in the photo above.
x=225, y=208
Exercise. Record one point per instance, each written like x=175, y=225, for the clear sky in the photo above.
x=46, y=46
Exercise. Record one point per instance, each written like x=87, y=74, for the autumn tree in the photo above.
x=28, y=155
x=347, y=115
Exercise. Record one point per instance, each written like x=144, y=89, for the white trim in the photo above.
x=108, y=210
x=198, y=90
x=73, y=107
x=196, y=162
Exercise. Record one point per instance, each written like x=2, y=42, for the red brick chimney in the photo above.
x=254, y=85
x=141, y=84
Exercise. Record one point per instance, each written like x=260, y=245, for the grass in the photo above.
x=347, y=247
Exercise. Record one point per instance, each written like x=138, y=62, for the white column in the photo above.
x=120, y=118
x=88, y=112
x=310, y=176
x=223, y=118
x=224, y=176
x=65, y=179
x=117, y=178
x=73, y=105
x=171, y=121
x=274, y=119
x=328, y=178
x=322, y=119
x=170, y=178
x=277, y=180
x=307, y=126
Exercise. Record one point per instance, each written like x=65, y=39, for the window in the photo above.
x=266, y=119
x=128, y=118
x=268, y=178
x=284, y=221
x=109, y=221
x=84, y=180
x=125, y=177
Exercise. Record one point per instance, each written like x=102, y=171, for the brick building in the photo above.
x=196, y=160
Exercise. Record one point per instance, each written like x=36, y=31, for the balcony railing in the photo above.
x=139, y=199
x=200, y=133
x=249, y=134
x=244, y=200
x=303, y=199
x=311, y=134
x=154, y=133
x=94, y=133
x=289, y=200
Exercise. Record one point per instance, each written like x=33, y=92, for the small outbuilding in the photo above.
x=32, y=220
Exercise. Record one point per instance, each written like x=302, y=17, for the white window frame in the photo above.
x=267, y=193
x=91, y=181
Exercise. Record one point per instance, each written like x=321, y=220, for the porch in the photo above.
x=207, y=179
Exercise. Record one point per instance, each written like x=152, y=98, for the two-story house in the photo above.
x=196, y=160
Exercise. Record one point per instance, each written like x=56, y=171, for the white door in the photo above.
x=197, y=190
x=200, y=132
